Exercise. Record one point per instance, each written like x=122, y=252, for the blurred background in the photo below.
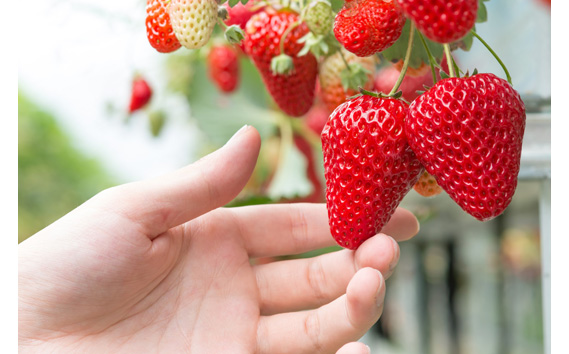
x=462, y=286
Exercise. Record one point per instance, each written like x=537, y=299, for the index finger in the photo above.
x=283, y=229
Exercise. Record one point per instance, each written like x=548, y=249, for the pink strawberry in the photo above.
x=365, y=27
x=468, y=133
x=293, y=92
x=369, y=167
x=442, y=21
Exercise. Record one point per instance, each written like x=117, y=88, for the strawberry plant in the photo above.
x=357, y=102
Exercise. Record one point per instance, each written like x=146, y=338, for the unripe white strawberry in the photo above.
x=193, y=21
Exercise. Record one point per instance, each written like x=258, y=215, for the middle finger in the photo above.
x=301, y=284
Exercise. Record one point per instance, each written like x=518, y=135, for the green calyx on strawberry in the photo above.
x=369, y=166
x=271, y=33
x=468, y=134
x=366, y=27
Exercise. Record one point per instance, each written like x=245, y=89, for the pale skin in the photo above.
x=159, y=266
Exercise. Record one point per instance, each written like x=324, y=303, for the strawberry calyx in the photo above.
x=234, y=34
x=282, y=64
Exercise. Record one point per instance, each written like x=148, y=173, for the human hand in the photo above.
x=157, y=266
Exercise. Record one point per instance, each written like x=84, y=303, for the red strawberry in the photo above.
x=442, y=21
x=369, y=167
x=365, y=27
x=223, y=67
x=387, y=76
x=141, y=94
x=294, y=92
x=427, y=185
x=158, y=27
x=468, y=133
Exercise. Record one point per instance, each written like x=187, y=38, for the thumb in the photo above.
x=161, y=203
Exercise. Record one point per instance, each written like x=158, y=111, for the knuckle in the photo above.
x=312, y=328
x=316, y=279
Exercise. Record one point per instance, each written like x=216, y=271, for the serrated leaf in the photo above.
x=244, y=2
x=233, y=2
x=290, y=180
x=418, y=55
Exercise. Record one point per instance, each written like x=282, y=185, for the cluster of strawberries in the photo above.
x=462, y=135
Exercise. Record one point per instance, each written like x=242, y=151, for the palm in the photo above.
x=146, y=268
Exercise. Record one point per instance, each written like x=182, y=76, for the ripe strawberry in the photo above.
x=158, y=27
x=140, y=95
x=427, y=185
x=423, y=69
x=468, y=133
x=223, y=67
x=365, y=27
x=442, y=21
x=294, y=92
x=387, y=76
x=369, y=167
x=193, y=21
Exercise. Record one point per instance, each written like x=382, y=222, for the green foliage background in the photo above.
x=53, y=177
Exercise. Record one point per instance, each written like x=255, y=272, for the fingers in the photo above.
x=301, y=284
x=329, y=327
x=354, y=348
x=161, y=203
x=273, y=230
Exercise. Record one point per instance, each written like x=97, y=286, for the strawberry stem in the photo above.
x=405, y=61
x=430, y=56
x=494, y=54
x=344, y=60
x=450, y=60
x=300, y=127
x=286, y=33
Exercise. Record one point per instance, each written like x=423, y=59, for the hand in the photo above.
x=158, y=267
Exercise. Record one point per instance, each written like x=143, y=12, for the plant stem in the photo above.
x=344, y=60
x=494, y=54
x=430, y=56
x=450, y=60
x=300, y=127
x=286, y=33
x=405, y=61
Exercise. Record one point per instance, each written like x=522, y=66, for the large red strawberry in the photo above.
x=158, y=27
x=365, y=27
x=223, y=67
x=442, y=21
x=140, y=94
x=369, y=167
x=468, y=133
x=294, y=92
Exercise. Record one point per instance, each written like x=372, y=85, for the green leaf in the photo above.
x=290, y=180
x=233, y=3
x=482, y=15
x=418, y=55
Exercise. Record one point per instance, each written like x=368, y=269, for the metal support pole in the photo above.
x=545, y=231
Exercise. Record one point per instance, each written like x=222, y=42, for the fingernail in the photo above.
x=368, y=349
x=378, y=297
x=395, y=259
x=237, y=133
